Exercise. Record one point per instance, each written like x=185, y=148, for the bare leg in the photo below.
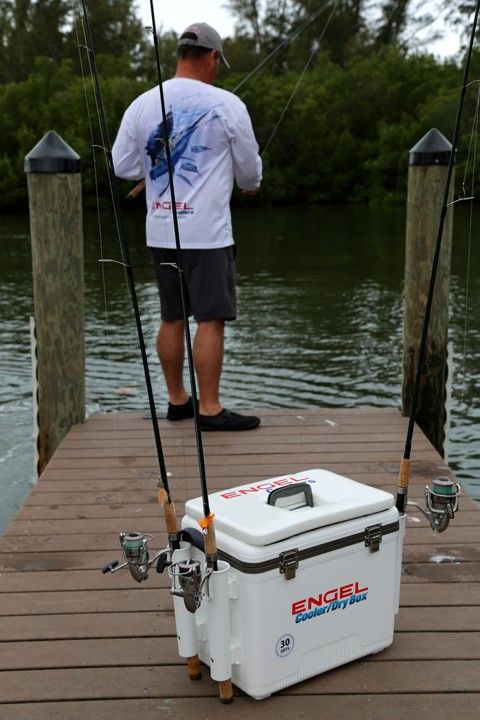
x=170, y=348
x=208, y=359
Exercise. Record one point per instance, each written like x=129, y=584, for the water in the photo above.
x=320, y=316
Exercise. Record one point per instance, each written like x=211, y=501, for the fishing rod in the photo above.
x=134, y=545
x=190, y=575
x=442, y=498
x=207, y=523
x=192, y=582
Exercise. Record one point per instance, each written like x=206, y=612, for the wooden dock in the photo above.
x=78, y=645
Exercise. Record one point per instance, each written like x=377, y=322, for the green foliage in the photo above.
x=348, y=132
x=54, y=97
x=53, y=29
x=342, y=28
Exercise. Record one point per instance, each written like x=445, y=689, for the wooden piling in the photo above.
x=55, y=201
x=429, y=160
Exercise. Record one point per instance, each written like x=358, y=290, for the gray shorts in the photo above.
x=209, y=277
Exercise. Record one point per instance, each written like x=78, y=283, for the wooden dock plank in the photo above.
x=141, y=651
x=80, y=626
x=284, y=707
x=41, y=561
x=148, y=508
x=412, y=573
x=161, y=623
x=159, y=681
x=75, y=643
x=121, y=478
x=44, y=536
x=39, y=581
x=130, y=600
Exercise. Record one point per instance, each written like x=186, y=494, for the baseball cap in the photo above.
x=203, y=35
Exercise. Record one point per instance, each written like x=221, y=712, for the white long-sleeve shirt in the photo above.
x=211, y=144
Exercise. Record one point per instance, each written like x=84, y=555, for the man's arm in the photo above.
x=247, y=165
x=126, y=159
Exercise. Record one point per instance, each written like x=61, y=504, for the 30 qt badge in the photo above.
x=285, y=645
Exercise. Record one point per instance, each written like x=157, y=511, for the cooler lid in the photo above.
x=244, y=512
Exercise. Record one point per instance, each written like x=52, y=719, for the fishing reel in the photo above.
x=188, y=582
x=187, y=578
x=135, y=552
x=442, y=501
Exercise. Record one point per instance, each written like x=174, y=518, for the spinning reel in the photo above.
x=187, y=579
x=442, y=501
x=135, y=552
x=187, y=583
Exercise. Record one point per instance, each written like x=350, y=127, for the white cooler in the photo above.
x=314, y=576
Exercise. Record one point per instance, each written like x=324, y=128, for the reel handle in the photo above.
x=163, y=562
x=110, y=567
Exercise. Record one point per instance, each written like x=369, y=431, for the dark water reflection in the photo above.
x=320, y=315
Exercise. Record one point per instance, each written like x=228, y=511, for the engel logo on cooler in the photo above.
x=334, y=599
x=267, y=486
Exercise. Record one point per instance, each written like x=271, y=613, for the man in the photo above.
x=212, y=144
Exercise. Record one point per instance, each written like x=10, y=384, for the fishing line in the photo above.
x=103, y=260
x=472, y=142
x=164, y=493
x=441, y=16
x=473, y=153
x=289, y=101
x=404, y=474
x=316, y=47
x=93, y=146
x=266, y=61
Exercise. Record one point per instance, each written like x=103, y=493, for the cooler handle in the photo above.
x=291, y=497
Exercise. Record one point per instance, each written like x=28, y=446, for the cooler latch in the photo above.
x=289, y=563
x=373, y=537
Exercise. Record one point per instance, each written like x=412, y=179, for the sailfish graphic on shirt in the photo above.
x=181, y=125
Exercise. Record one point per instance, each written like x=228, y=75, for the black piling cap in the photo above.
x=52, y=155
x=432, y=149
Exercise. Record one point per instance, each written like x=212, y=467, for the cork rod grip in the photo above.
x=169, y=512
x=210, y=541
x=136, y=190
x=194, y=668
x=404, y=473
x=225, y=691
